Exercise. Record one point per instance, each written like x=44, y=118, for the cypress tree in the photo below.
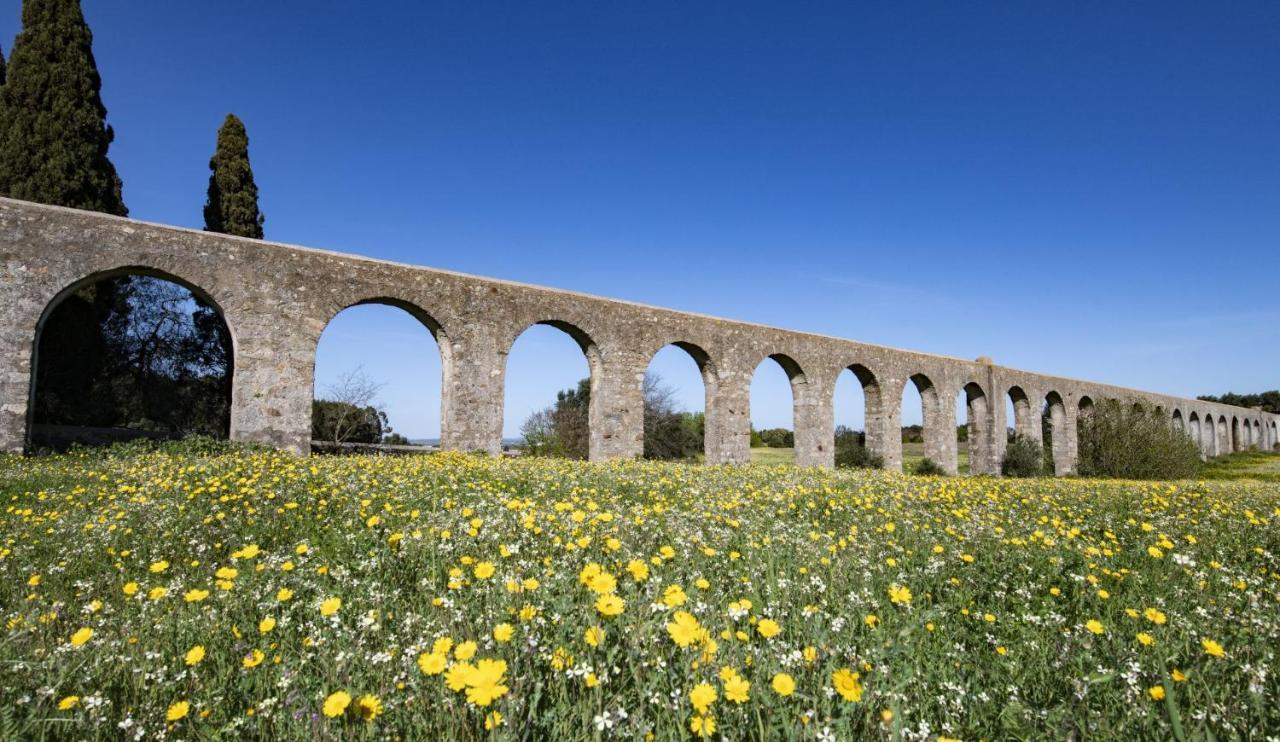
x=232, y=207
x=1, y=67
x=53, y=131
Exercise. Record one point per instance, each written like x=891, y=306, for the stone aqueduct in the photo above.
x=277, y=299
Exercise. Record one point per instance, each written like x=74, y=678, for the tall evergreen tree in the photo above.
x=232, y=207
x=53, y=131
x=1, y=66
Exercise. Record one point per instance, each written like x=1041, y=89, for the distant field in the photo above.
x=912, y=455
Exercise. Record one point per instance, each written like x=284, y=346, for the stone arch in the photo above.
x=873, y=412
x=1237, y=438
x=61, y=296
x=1178, y=422
x=1055, y=410
x=1224, y=436
x=1193, y=429
x=1024, y=422
x=595, y=366
x=978, y=423
x=1209, y=435
x=710, y=379
x=428, y=321
x=797, y=382
x=1257, y=434
x=939, y=435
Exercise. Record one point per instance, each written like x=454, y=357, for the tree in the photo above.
x=53, y=131
x=1268, y=401
x=347, y=412
x=668, y=433
x=1, y=66
x=232, y=206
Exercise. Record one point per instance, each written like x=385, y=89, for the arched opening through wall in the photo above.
x=773, y=410
x=858, y=419
x=973, y=418
x=1237, y=442
x=547, y=404
x=1054, y=420
x=130, y=354
x=677, y=384
x=378, y=378
x=1193, y=430
x=922, y=441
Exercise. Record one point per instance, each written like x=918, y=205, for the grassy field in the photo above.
x=257, y=595
x=912, y=455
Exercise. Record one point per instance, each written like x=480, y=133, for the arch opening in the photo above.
x=924, y=438
x=551, y=390
x=129, y=353
x=678, y=384
x=773, y=412
x=972, y=433
x=859, y=419
x=379, y=377
x=1054, y=421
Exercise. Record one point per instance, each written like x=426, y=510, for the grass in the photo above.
x=1258, y=465
x=912, y=455
x=430, y=597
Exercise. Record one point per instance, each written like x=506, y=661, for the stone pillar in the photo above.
x=617, y=404
x=728, y=423
x=815, y=420
x=274, y=380
x=982, y=429
x=19, y=313
x=473, y=377
x=1066, y=446
x=940, y=429
x=883, y=422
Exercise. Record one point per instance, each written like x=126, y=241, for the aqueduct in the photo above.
x=276, y=300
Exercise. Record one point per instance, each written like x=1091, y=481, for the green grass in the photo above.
x=1259, y=465
x=912, y=455
x=975, y=607
x=770, y=456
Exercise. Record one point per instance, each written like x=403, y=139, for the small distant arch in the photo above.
x=1178, y=422
x=1055, y=411
x=1085, y=404
x=977, y=421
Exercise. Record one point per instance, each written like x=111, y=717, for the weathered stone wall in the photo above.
x=277, y=299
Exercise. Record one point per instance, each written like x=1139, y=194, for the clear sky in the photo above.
x=1088, y=189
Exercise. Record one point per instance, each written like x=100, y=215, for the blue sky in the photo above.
x=1087, y=189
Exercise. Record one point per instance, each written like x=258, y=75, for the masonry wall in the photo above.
x=277, y=299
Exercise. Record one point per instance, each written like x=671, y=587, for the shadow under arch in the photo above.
x=201, y=297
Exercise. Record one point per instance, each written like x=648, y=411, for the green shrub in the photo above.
x=856, y=456
x=1134, y=442
x=1023, y=457
x=928, y=468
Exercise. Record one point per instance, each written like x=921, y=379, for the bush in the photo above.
x=1134, y=442
x=1023, y=457
x=856, y=456
x=927, y=468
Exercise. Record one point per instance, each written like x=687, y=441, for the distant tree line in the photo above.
x=1268, y=401
x=563, y=429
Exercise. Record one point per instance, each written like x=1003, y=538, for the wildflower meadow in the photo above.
x=254, y=594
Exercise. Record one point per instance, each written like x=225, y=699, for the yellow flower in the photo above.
x=638, y=569
x=591, y=680
x=871, y=620
x=158, y=567
x=368, y=707
x=34, y=580
x=847, y=684
x=503, y=632
x=684, y=630
x=593, y=636
x=610, y=605
x=284, y=594
x=330, y=606
x=68, y=703
x=485, y=682
x=602, y=583
x=1212, y=648
x=227, y=573
x=1154, y=616
x=768, y=628
x=899, y=594
x=702, y=725
x=1154, y=552
x=674, y=596
x=266, y=625
x=783, y=684
x=195, y=596
x=702, y=696
x=1146, y=639
x=465, y=651
x=254, y=658
x=737, y=689
x=81, y=637
x=177, y=711
x=247, y=552
x=130, y=588
x=336, y=704
x=457, y=676
x=492, y=721
x=1156, y=692
x=483, y=570
x=432, y=664
x=1178, y=676
x=157, y=593
x=194, y=655
x=1094, y=626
